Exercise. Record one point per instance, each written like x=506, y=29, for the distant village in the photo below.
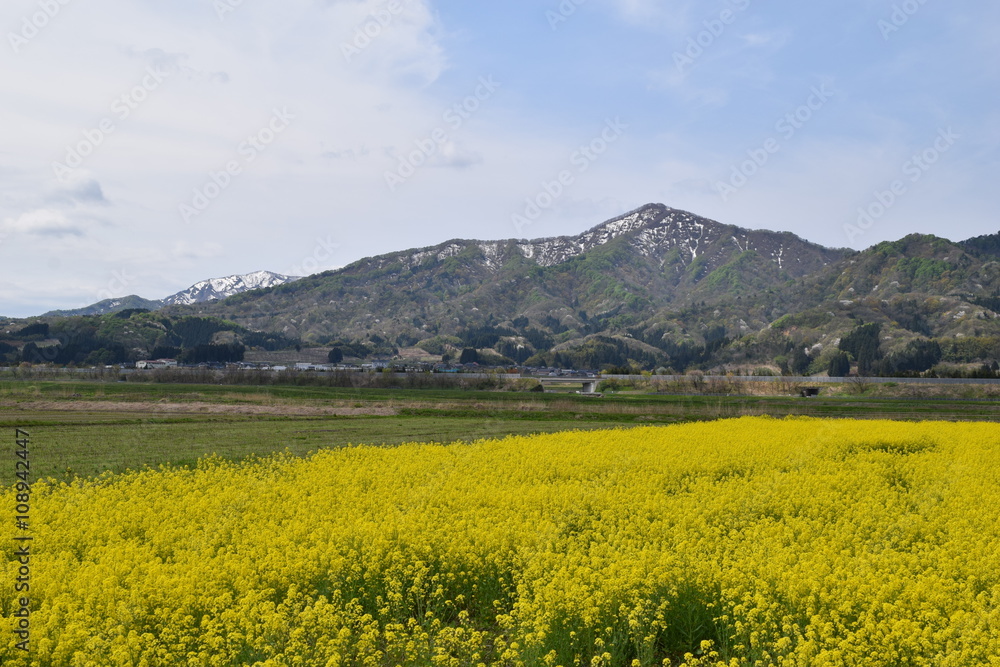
x=378, y=365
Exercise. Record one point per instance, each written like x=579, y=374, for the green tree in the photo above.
x=863, y=345
x=799, y=364
x=840, y=365
x=469, y=356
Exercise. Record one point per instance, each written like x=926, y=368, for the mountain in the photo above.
x=221, y=288
x=207, y=290
x=654, y=263
x=656, y=287
x=919, y=286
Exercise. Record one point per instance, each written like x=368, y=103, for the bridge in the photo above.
x=589, y=384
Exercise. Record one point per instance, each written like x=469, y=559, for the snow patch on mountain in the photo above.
x=652, y=231
x=654, y=228
x=492, y=255
x=207, y=290
x=220, y=288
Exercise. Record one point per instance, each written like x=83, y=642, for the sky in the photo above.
x=146, y=146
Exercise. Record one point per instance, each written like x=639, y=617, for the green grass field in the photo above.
x=64, y=449
x=81, y=428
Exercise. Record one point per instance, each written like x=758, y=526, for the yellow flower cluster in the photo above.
x=744, y=542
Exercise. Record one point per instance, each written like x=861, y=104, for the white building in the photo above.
x=151, y=364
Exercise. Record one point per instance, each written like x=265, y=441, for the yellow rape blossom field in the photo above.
x=753, y=541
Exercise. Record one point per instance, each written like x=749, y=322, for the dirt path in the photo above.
x=196, y=407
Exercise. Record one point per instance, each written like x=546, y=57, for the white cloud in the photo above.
x=455, y=155
x=43, y=222
x=80, y=191
x=186, y=250
x=324, y=176
x=674, y=17
x=761, y=39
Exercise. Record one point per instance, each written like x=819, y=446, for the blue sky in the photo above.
x=148, y=145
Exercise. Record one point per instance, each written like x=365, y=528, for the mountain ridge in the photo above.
x=661, y=253
x=656, y=287
x=642, y=218
x=202, y=291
